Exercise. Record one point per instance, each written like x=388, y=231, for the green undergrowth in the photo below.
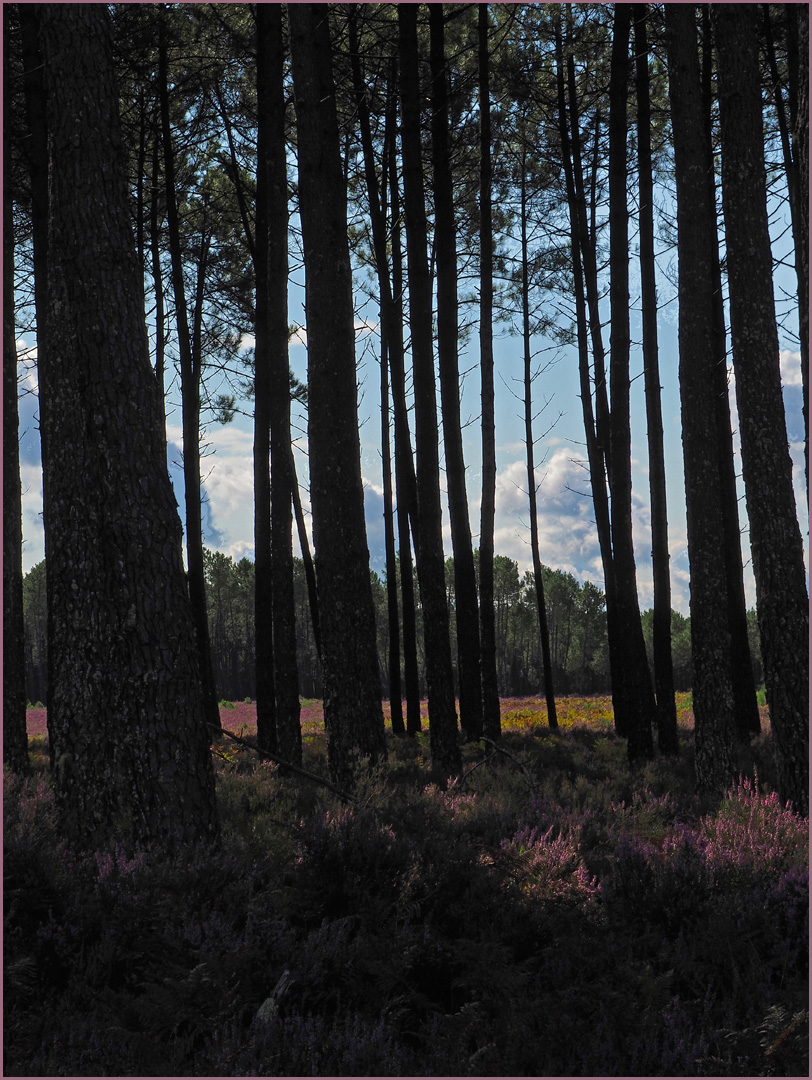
x=553, y=911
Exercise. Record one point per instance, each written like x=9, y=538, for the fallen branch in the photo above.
x=484, y=761
x=528, y=779
x=286, y=764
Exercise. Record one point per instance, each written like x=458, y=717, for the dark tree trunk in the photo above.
x=389, y=333
x=405, y=479
x=745, y=703
x=541, y=608
x=491, y=717
x=352, y=688
x=275, y=618
x=15, y=738
x=787, y=125
x=445, y=749
x=445, y=246
x=395, y=689
x=190, y=375
x=307, y=559
x=157, y=274
x=667, y=741
x=775, y=538
x=128, y=739
x=633, y=669
x=704, y=485
x=799, y=119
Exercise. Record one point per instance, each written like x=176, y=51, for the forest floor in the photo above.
x=555, y=911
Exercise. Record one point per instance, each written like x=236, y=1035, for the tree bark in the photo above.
x=352, y=688
x=704, y=489
x=445, y=246
x=445, y=750
x=541, y=608
x=747, y=721
x=667, y=741
x=128, y=738
x=491, y=717
x=775, y=538
x=633, y=670
x=274, y=606
x=15, y=738
x=190, y=375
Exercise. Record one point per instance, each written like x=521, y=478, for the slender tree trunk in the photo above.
x=405, y=479
x=633, y=669
x=15, y=738
x=713, y=700
x=352, y=688
x=491, y=718
x=775, y=538
x=789, y=149
x=799, y=119
x=307, y=559
x=445, y=244
x=667, y=741
x=190, y=395
x=128, y=738
x=541, y=607
x=745, y=703
x=286, y=672
x=430, y=559
x=389, y=334
x=395, y=688
x=157, y=274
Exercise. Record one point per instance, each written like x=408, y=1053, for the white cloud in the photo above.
x=790, y=368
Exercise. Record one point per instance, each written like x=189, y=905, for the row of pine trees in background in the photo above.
x=417, y=127
x=576, y=615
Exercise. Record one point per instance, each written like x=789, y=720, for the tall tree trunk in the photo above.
x=157, y=274
x=15, y=738
x=278, y=684
x=775, y=538
x=190, y=374
x=352, y=688
x=713, y=699
x=395, y=688
x=491, y=717
x=789, y=150
x=745, y=703
x=799, y=119
x=667, y=741
x=633, y=669
x=445, y=749
x=445, y=246
x=541, y=608
x=405, y=479
x=390, y=332
x=128, y=739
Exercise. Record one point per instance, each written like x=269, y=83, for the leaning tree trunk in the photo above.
x=636, y=689
x=775, y=538
x=445, y=749
x=704, y=488
x=15, y=738
x=445, y=246
x=667, y=740
x=352, y=688
x=190, y=375
x=491, y=718
x=128, y=742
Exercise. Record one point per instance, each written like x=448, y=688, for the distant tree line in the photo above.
x=576, y=614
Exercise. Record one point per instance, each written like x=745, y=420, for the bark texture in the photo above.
x=696, y=223
x=15, y=739
x=445, y=750
x=775, y=538
x=352, y=689
x=128, y=743
x=445, y=246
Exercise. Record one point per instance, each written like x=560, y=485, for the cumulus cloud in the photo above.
x=790, y=368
